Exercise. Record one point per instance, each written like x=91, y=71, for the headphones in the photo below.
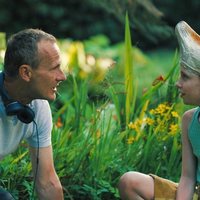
x=24, y=113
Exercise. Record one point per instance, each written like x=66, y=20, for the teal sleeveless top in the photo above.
x=194, y=137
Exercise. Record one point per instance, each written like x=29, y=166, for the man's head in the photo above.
x=22, y=48
x=32, y=66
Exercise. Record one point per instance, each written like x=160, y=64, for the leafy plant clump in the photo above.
x=99, y=135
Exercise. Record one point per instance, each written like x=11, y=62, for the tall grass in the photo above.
x=109, y=143
x=95, y=142
x=130, y=78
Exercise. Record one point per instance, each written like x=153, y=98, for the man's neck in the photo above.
x=16, y=90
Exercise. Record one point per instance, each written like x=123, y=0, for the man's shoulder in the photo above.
x=39, y=103
x=40, y=107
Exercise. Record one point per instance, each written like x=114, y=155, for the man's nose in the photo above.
x=62, y=76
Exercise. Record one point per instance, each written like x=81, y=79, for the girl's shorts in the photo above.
x=165, y=189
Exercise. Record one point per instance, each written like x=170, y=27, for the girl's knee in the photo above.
x=136, y=185
x=128, y=179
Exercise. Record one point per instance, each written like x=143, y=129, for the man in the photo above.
x=32, y=72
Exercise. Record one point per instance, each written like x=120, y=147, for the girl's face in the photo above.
x=189, y=87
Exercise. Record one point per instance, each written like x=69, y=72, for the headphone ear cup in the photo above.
x=24, y=113
x=13, y=108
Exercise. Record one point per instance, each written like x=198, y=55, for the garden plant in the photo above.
x=106, y=122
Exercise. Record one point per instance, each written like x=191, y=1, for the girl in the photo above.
x=135, y=185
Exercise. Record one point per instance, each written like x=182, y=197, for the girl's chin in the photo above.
x=190, y=103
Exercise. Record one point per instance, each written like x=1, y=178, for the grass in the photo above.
x=99, y=135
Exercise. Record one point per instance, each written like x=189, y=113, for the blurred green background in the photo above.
x=118, y=110
x=152, y=21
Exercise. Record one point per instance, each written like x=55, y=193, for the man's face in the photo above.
x=47, y=76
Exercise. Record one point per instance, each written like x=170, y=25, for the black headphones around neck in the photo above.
x=24, y=113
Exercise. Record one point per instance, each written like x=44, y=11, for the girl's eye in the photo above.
x=184, y=76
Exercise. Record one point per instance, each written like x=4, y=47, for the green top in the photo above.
x=194, y=137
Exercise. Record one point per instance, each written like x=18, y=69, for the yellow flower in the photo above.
x=131, y=125
x=175, y=114
x=161, y=109
x=130, y=140
x=149, y=121
x=152, y=111
x=173, y=129
x=136, y=125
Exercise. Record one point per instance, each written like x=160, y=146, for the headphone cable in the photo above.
x=37, y=160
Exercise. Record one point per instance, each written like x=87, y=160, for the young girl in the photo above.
x=135, y=185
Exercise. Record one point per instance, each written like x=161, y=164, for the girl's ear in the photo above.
x=25, y=72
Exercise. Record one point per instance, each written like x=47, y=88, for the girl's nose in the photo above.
x=178, y=85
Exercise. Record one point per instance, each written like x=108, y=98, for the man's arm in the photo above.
x=48, y=186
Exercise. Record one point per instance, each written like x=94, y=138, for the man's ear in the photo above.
x=25, y=72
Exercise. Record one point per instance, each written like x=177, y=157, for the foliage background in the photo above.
x=150, y=20
x=106, y=125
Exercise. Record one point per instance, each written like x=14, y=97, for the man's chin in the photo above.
x=49, y=98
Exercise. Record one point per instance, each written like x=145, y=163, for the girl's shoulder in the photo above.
x=189, y=113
